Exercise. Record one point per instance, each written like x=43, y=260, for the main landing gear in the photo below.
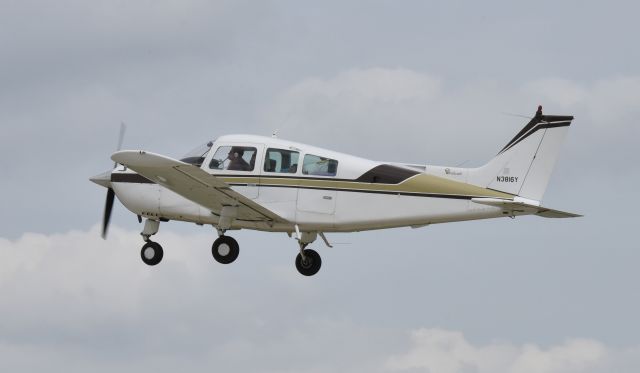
x=308, y=262
x=225, y=249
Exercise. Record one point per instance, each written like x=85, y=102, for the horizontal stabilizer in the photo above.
x=523, y=208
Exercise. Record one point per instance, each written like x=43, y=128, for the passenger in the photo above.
x=237, y=163
x=252, y=163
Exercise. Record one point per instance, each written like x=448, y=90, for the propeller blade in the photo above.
x=123, y=129
x=107, y=212
x=105, y=180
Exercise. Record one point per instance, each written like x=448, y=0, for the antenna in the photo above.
x=538, y=115
x=284, y=122
x=123, y=129
x=516, y=115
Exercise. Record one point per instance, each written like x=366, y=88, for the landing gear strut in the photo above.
x=225, y=249
x=151, y=253
x=308, y=262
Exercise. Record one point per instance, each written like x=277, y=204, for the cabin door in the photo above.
x=238, y=164
x=317, y=201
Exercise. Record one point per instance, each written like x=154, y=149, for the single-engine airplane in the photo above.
x=273, y=185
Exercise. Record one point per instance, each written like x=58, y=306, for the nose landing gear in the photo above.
x=151, y=253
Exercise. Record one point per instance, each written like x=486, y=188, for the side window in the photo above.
x=315, y=165
x=282, y=161
x=234, y=158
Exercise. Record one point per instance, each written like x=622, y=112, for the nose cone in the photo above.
x=103, y=179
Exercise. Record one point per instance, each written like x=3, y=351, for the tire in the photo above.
x=151, y=253
x=312, y=264
x=225, y=250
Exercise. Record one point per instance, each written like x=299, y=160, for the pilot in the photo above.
x=237, y=163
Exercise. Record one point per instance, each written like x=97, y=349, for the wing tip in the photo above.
x=143, y=158
x=550, y=213
x=125, y=156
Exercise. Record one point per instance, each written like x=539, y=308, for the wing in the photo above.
x=194, y=184
x=521, y=207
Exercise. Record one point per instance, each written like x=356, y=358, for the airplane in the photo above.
x=274, y=185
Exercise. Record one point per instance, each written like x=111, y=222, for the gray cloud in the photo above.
x=421, y=82
x=436, y=350
x=75, y=301
x=406, y=115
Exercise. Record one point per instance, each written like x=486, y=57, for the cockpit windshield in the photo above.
x=197, y=155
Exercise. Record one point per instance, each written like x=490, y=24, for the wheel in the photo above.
x=225, y=250
x=311, y=265
x=151, y=253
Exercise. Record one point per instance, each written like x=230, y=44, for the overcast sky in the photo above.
x=412, y=81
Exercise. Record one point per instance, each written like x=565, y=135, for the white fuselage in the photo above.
x=357, y=197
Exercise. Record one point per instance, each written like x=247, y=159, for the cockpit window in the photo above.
x=197, y=155
x=281, y=161
x=234, y=158
x=320, y=166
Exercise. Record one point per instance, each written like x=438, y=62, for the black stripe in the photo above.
x=130, y=178
x=526, y=128
x=556, y=124
x=414, y=194
x=381, y=174
x=386, y=174
x=530, y=129
x=136, y=178
x=269, y=176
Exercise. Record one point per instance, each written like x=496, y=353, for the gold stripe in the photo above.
x=421, y=183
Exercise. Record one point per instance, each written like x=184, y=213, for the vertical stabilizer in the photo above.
x=523, y=167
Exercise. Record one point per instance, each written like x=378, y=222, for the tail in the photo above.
x=523, y=167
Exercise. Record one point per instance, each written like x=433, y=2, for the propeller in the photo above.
x=107, y=211
x=123, y=129
x=108, y=207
